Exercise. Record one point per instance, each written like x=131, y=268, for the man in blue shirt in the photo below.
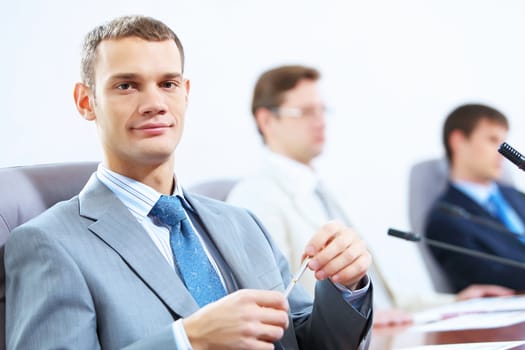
x=476, y=211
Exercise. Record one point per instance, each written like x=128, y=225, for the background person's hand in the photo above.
x=392, y=317
x=483, y=290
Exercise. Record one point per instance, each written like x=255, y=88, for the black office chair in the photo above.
x=27, y=191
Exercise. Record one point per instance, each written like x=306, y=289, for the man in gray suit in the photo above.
x=102, y=271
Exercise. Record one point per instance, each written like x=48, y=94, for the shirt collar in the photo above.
x=297, y=177
x=136, y=196
x=479, y=193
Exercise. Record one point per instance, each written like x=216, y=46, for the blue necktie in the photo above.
x=195, y=268
x=498, y=207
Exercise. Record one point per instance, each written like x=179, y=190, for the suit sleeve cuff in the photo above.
x=355, y=297
x=181, y=338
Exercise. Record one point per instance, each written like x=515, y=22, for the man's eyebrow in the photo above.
x=134, y=76
x=173, y=76
x=124, y=76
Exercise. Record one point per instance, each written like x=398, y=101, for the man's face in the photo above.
x=478, y=155
x=140, y=101
x=297, y=129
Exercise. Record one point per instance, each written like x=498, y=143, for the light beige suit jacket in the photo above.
x=282, y=195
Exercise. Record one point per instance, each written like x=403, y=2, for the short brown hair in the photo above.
x=272, y=84
x=143, y=27
x=465, y=118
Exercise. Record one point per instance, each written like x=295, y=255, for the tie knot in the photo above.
x=494, y=196
x=494, y=202
x=168, y=210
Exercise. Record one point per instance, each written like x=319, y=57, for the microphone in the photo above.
x=413, y=237
x=511, y=154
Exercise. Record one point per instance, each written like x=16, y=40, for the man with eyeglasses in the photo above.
x=287, y=195
x=290, y=117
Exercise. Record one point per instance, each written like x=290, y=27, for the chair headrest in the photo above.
x=27, y=191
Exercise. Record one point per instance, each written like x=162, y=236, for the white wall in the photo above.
x=392, y=70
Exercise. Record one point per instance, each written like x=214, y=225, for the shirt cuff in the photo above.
x=355, y=297
x=181, y=338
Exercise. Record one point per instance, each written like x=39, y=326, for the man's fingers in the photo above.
x=255, y=344
x=273, y=317
x=337, y=258
x=270, y=333
x=341, y=246
x=353, y=273
x=391, y=317
x=322, y=237
x=339, y=254
x=269, y=299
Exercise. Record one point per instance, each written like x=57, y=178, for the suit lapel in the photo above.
x=457, y=197
x=516, y=199
x=119, y=229
x=225, y=233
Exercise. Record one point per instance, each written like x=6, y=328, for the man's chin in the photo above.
x=156, y=158
x=319, y=152
x=497, y=174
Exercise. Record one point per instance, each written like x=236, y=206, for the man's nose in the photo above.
x=152, y=102
x=319, y=118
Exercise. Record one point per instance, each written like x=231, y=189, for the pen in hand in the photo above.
x=297, y=276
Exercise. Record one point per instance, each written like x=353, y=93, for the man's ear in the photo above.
x=263, y=118
x=84, y=101
x=455, y=140
x=187, y=86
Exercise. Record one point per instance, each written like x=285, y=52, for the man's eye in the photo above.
x=169, y=84
x=124, y=86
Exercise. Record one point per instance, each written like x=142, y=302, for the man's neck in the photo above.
x=305, y=162
x=458, y=176
x=157, y=176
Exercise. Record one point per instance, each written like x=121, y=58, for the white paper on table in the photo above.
x=478, y=305
x=472, y=321
x=470, y=346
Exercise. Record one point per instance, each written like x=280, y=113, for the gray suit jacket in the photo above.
x=85, y=275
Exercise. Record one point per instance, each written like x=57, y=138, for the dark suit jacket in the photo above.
x=459, y=230
x=85, y=275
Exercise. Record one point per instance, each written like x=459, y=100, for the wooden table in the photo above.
x=389, y=338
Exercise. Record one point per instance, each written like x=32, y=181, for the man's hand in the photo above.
x=483, y=290
x=392, y=317
x=246, y=319
x=339, y=254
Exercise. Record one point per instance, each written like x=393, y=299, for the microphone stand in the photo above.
x=412, y=237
